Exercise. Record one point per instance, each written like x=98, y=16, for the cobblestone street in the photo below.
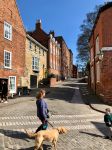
x=86, y=126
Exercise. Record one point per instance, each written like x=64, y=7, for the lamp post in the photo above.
x=100, y=55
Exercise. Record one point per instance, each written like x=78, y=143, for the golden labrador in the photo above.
x=47, y=135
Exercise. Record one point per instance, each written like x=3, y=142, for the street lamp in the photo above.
x=100, y=55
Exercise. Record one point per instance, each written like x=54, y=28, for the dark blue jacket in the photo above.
x=108, y=119
x=42, y=109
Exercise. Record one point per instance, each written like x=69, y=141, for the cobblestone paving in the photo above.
x=86, y=127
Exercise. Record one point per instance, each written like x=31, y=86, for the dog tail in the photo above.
x=30, y=134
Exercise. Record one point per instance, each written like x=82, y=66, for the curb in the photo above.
x=2, y=146
x=96, y=109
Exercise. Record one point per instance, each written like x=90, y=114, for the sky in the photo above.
x=62, y=16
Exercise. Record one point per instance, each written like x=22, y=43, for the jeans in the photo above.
x=4, y=95
x=109, y=132
x=43, y=126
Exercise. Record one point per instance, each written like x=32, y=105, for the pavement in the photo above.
x=69, y=104
x=92, y=100
x=89, y=98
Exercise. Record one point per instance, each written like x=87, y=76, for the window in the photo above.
x=51, y=65
x=35, y=48
x=35, y=63
x=30, y=45
x=7, y=59
x=12, y=84
x=51, y=47
x=43, y=52
x=56, y=51
x=98, y=71
x=7, y=31
x=97, y=45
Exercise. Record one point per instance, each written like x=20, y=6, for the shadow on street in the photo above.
x=22, y=136
x=45, y=147
x=91, y=134
x=14, y=134
x=101, y=127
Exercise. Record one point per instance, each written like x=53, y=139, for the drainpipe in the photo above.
x=94, y=64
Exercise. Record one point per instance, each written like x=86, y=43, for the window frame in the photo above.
x=34, y=62
x=97, y=46
x=9, y=32
x=5, y=51
x=14, y=90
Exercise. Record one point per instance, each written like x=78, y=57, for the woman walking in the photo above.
x=42, y=110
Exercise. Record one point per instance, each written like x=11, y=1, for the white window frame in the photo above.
x=14, y=91
x=8, y=29
x=5, y=51
x=97, y=45
x=35, y=63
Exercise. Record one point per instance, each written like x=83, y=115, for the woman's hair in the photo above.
x=40, y=94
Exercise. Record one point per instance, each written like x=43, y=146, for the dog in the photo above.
x=46, y=135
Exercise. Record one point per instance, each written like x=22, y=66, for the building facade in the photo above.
x=71, y=63
x=35, y=63
x=101, y=53
x=12, y=45
x=66, y=60
x=74, y=71
x=48, y=41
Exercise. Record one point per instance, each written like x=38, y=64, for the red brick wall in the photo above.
x=106, y=76
x=107, y=27
x=9, y=13
x=104, y=30
x=65, y=57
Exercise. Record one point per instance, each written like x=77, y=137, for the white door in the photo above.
x=12, y=84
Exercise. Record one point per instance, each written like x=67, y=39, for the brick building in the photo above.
x=49, y=41
x=12, y=44
x=101, y=53
x=74, y=71
x=71, y=63
x=35, y=62
x=66, y=58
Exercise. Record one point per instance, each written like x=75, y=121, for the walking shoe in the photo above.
x=6, y=102
x=2, y=101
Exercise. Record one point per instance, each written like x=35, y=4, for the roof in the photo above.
x=62, y=39
x=36, y=42
x=102, y=9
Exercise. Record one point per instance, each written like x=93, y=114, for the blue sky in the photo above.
x=62, y=16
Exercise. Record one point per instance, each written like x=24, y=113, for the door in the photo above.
x=12, y=84
x=33, y=81
x=2, y=79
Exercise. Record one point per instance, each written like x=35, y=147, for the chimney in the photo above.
x=53, y=33
x=38, y=24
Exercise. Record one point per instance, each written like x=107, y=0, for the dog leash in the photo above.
x=50, y=124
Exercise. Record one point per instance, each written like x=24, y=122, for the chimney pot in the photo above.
x=38, y=24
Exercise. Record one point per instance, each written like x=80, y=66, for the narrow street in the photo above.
x=86, y=126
